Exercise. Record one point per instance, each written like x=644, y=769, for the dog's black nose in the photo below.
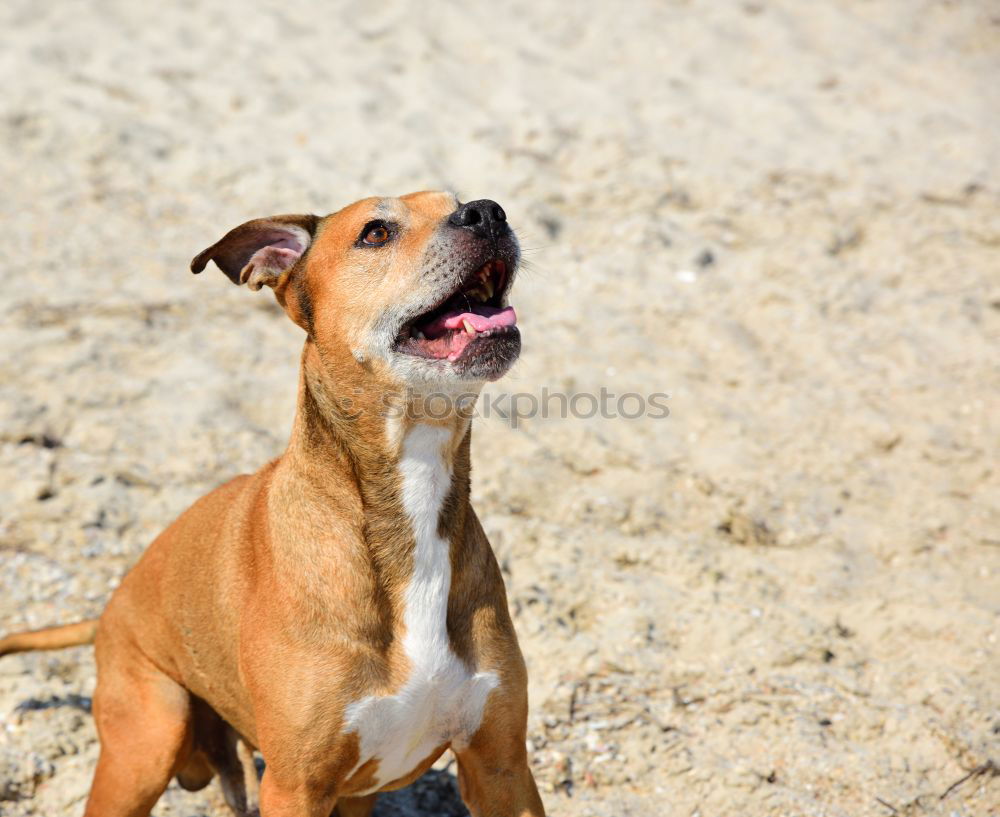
x=484, y=217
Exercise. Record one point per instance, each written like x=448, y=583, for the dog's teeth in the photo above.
x=420, y=335
x=488, y=285
x=469, y=328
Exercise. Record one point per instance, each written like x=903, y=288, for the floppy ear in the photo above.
x=259, y=252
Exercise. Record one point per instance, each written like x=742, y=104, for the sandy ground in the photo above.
x=780, y=600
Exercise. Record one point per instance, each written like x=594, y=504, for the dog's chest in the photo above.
x=442, y=701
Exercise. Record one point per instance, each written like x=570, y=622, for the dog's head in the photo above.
x=413, y=287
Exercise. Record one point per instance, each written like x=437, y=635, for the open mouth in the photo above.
x=467, y=323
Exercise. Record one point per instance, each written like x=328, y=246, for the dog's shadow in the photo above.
x=71, y=701
x=433, y=795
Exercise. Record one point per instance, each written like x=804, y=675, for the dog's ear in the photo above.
x=259, y=252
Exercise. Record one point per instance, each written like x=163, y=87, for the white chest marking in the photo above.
x=441, y=702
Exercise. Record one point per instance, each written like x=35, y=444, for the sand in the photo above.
x=781, y=599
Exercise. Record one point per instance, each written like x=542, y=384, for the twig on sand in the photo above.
x=989, y=767
x=889, y=806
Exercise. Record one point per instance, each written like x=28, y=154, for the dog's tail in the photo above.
x=51, y=638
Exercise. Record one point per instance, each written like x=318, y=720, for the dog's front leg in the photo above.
x=306, y=770
x=492, y=789
x=493, y=774
x=280, y=799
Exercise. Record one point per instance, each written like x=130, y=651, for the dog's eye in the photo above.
x=375, y=234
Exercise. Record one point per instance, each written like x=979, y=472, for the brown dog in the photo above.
x=341, y=609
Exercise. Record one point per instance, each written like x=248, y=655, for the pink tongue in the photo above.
x=486, y=317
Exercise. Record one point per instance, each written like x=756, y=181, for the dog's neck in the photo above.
x=362, y=435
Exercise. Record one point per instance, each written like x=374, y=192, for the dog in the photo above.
x=341, y=610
